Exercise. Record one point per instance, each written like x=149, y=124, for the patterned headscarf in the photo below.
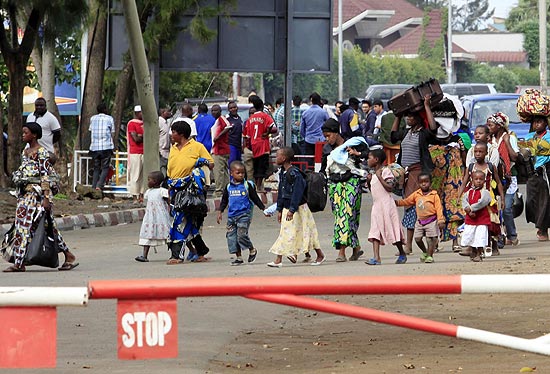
x=499, y=119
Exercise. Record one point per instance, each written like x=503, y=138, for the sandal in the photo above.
x=174, y=261
x=14, y=269
x=372, y=261
x=68, y=266
x=355, y=256
x=292, y=259
x=341, y=259
x=541, y=237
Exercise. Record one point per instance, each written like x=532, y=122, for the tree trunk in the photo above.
x=3, y=148
x=16, y=73
x=93, y=89
x=121, y=95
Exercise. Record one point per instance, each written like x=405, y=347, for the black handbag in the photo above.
x=190, y=200
x=517, y=205
x=43, y=248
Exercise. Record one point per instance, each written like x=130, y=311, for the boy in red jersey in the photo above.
x=259, y=126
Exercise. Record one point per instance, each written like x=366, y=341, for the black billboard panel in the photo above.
x=251, y=37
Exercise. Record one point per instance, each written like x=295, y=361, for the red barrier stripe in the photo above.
x=171, y=288
x=353, y=311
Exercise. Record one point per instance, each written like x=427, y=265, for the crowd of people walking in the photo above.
x=455, y=186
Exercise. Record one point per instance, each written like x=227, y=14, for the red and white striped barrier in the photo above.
x=147, y=309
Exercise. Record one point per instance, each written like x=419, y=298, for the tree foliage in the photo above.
x=505, y=79
x=524, y=18
x=471, y=15
x=428, y=4
x=360, y=71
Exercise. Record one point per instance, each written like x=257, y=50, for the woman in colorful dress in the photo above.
x=36, y=182
x=537, y=207
x=448, y=156
x=341, y=165
x=186, y=158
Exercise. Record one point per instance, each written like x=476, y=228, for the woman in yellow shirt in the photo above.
x=186, y=158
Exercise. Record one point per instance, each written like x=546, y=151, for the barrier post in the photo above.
x=28, y=336
x=318, y=155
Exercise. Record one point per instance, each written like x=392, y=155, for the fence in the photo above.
x=147, y=309
x=83, y=172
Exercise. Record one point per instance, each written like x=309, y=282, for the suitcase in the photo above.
x=412, y=99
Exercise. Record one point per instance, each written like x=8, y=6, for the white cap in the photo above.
x=137, y=108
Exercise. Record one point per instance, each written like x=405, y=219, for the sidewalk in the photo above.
x=85, y=221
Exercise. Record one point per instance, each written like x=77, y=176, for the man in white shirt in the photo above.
x=51, y=129
x=164, y=138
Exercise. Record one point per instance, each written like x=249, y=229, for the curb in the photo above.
x=86, y=221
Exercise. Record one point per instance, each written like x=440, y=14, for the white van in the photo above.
x=466, y=89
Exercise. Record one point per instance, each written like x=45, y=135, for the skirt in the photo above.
x=345, y=198
x=476, y=236
x=297, y=236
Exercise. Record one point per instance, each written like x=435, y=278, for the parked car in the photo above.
x=385, y=92
x=478, y=107
x=465, y=89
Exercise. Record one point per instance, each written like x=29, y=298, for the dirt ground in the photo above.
x=311, y=342
x=67, y=205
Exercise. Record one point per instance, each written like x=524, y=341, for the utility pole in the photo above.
x=543, y=67
x=340, y=54
x=144, y=89
x=289, y=72
x=450, y=44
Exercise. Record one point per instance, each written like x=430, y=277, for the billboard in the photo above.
x=251, y=37
x=67, y=98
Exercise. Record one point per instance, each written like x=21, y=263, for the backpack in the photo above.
x=398, y=178
x=315, y=193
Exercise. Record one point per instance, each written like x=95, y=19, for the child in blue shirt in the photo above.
x=239, y=197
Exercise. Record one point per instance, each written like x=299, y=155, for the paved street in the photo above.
x=87, y=336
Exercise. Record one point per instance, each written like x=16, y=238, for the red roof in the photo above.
x=409, y=44
x=351, y=8
x=504, y=57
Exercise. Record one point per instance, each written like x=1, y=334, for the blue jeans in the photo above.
x=508, y=217
x=237, y=233
x=235, y=154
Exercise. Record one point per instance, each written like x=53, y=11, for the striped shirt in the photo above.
x=410, y=151
x=102, y=126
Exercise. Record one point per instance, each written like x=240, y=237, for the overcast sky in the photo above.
x=502, y=7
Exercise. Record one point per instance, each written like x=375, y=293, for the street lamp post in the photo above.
x=450, y=44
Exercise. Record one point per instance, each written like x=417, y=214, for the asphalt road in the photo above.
x=87, y=340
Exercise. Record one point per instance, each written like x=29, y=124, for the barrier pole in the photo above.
x=539, y=345
x=172, y=288
x=388, y=318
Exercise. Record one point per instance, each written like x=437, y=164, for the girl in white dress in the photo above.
x=155, y=227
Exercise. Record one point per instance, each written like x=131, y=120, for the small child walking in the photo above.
x=477, y=221
x=491, y=183
x=429, y=213
x=155, y=227
x=298, y=232
x=385, y=224
x=238, y=196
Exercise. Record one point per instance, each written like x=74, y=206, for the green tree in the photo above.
x=524, y=18
x=26, y=17
x=472, y=15
x=428, y=4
